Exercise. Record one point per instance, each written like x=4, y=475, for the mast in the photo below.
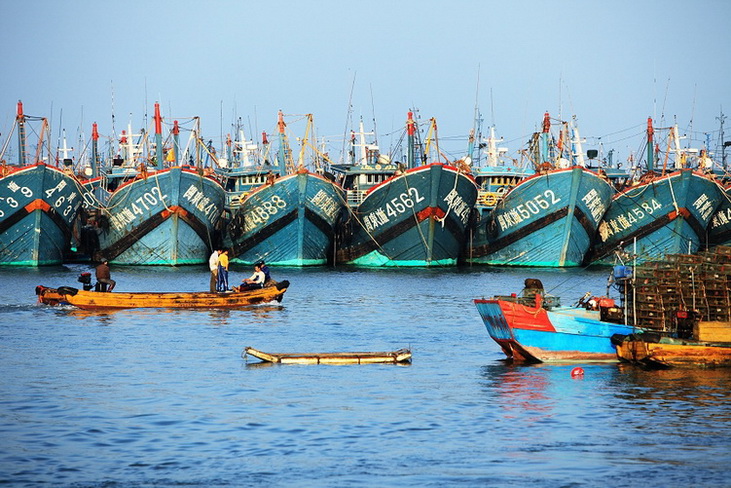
x=492, y=148
x=94, y=151
x=721, y=118
x=22, y=156
x=283, y=144
x=650, y=153
x=176, y=142
x=577, y=151
x=410, y=132
x=544, y=139
x=305, y=141
x=158, y=138
x=679, y=155
x=65, y=151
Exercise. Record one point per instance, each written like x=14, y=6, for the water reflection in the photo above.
x=697, y=385
x=520, y=390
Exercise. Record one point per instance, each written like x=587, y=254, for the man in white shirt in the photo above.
x=254, y=281
x=213, y=266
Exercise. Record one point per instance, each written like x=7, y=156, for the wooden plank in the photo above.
x=400, y=356
x=713, y=331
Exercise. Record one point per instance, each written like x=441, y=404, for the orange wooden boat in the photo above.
x=668, y=352
x=92, y=300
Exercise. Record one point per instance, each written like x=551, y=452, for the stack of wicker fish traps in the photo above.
x=667, y=290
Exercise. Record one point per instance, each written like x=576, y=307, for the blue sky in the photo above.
x=609, y=63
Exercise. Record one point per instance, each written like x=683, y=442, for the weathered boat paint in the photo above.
x=284, y=215
x=38, y=204
x=156, y=216
x=546, y=220
x=666, y=215
x=534, y=334
x=418, y=218
x=166, y=217
x=719, y=228
x=289, y=222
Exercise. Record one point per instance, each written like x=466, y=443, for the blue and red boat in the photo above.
x=157, y=215
x=535, y=328
x=667, y=212
x=404, y=216
x=285, y=215
x=38, y=204
x=548, y=219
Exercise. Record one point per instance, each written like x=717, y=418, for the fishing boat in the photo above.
x=290, y=219
x=665, y=212
x=494, y=176
x=534, y=327
x=404, y=215
x=154, y=210
x=38, y=203
x=560, y=206
x=400, y=356
x=94, y=300
x=655, y=351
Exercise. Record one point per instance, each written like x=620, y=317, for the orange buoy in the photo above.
x=577, y=373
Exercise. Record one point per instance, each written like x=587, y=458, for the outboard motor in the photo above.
x=85, y=279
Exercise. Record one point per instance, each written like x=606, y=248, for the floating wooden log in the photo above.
x=400, y=356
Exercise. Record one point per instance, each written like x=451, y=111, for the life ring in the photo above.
x=490, y=199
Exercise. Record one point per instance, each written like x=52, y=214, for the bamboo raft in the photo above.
x=400, y=356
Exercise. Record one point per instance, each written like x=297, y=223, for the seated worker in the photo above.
x=265, y=270
x=103, y=275
x=254, y=281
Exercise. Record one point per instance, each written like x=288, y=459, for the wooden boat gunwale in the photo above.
x=399, y=356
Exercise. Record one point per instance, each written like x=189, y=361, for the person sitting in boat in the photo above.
x=255, y=281
x=265, y=270
x=104, y=275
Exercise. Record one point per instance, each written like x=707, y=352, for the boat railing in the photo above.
x=548, y=301
x=355, y=197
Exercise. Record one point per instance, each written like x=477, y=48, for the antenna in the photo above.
x=349, y=115
x=373, y=110
x=721, y=118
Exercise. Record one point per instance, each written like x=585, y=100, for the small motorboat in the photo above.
x=535, y=327
x=400, y=356
x=94, y=300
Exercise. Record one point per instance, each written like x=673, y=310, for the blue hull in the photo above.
x=719, y=229
x=668, y=215
x=546, y=220
x=38, y=205
x=560, y=335
x=168, y=218
x=419, y=218
x=288, y=223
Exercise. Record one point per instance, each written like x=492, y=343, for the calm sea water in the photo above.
x=164, y=398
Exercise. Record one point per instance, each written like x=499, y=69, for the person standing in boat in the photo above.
x=254, y=281
x=104, y=275
x=222, y=283
x=213, y=266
